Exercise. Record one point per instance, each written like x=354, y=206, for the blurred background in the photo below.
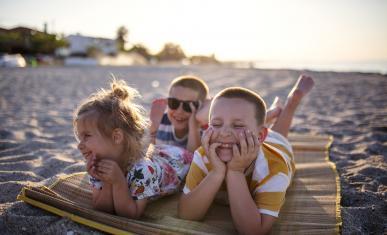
x=345, y=35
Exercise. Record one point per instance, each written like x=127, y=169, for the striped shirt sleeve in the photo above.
x=197, y=171
x=274, y=171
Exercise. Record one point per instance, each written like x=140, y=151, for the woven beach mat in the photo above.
x=311, y=205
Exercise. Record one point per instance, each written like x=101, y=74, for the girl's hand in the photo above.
x=219, y=166
x=90, y=166
x=109, y=171
x=249, y=147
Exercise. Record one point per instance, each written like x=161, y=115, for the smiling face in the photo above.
x=93, y=143
x=228, y=118
x=178, y=117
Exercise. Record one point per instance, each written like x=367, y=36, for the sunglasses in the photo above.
x=174, y=103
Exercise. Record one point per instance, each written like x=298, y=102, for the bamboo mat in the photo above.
x=311, y=206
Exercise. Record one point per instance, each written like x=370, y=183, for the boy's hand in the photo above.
x=219, y=166
x=193, y=123
x=249, y=146
x=108, y=171
x=156, y=114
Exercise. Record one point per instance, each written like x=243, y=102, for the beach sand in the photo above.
x=37, y=142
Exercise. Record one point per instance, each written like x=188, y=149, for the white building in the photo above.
x=80, y=44
x=106, y=53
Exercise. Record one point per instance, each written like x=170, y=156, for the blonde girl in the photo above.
x=125, y=171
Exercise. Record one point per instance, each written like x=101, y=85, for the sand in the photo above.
x=36, y=136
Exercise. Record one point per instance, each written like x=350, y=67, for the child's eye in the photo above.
x=216, y=125
x=239, y=126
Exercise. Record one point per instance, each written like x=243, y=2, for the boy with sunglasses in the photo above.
x=178, y=125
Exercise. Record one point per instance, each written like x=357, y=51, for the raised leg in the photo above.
x=301, y=88
x=273, y=112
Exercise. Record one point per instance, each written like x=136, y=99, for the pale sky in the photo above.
x=305, y=30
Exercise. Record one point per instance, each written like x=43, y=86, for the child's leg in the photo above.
x=273, y=112
x=300, y=89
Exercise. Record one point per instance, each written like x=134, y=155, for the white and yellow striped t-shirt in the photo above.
x=267, y=180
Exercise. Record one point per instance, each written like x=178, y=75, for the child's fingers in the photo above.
x=105, y=164
x=107, y=161
x=215, y=134
x=102, y=172
x=159, y=101
x=101, y=175
x=90, y=164
x=193, y=108
x=93, y=172
x=212, y=150
x=206, y=139
x=250, y=141
x=102, y=167
x=235, y=151
x=256, y=142
x=200, y=104
x=243, y=143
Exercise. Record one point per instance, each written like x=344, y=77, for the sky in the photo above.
x=272, y=30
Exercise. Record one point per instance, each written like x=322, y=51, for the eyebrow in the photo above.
x=219, y=119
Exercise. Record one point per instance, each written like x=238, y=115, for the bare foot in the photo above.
x=273, y=112
x=301, y=88
x=157, y=111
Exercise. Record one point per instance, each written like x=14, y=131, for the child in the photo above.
x=178, y=125
x=255, y=165
x=187, y=112
x=125, y=172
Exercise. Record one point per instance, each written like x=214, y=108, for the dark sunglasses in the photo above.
x=174, y=103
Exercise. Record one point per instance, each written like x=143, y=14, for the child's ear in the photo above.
x=262, y=135
x=118, y=136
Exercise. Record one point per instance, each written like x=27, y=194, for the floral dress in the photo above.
x=162, y=174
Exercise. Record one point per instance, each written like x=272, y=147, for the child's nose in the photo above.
x=225, y=131
x=81, y=145
x=180, y=108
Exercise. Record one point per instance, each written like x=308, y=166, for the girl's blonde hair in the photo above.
x=114, y=108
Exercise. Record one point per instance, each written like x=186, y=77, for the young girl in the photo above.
x=125, y=171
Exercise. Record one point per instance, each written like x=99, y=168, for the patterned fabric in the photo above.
x=95, y=183
x=161, y=175
x=166, y=134
x=268, y=180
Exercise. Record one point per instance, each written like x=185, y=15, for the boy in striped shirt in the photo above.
x=179, y=125
x=243, y=161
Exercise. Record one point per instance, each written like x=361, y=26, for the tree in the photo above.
x=46, y=43
x=142, y=50
x=122, y=37
x=28, y=41
x=171, y=52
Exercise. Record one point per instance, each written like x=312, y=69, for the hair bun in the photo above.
x=122, y=91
